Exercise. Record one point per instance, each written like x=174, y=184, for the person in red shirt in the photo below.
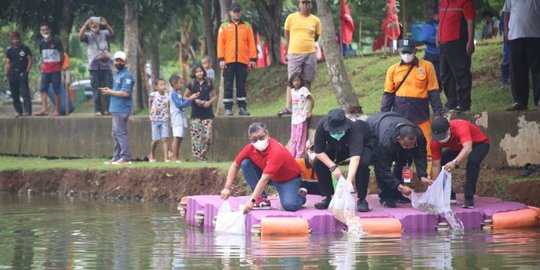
x=265, y=161
x=452, y=143
x=455, y=39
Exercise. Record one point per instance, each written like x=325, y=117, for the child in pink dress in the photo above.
x=302, y=108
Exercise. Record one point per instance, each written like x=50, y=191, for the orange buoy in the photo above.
x=537, y=211
x=381, y=225
x=284, y=226
x=524, y=218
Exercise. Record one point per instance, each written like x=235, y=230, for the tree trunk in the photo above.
x=65, y=25
x=131, y=46
x=210, y=37
x=271, y=27
x=224, y=5
x=153, y=49
x=345, y=95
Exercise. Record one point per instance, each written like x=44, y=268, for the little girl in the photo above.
x=201, y=112
x=302, y=108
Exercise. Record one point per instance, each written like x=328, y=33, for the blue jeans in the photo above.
x=288, y=191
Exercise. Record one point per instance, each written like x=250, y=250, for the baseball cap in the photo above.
x=336, y=121
x=235, y=7
x=120, y=55
x=406, y=45
x=439, y=128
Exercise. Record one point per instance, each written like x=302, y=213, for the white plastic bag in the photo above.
x=436, y=199
x=230, y=222
x=343, y=207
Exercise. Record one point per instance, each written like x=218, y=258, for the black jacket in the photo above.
x=352, y=144
x=385, y=129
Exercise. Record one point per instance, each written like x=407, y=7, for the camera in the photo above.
x=95, y=19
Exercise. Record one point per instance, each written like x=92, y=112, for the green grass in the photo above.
x=30, y=163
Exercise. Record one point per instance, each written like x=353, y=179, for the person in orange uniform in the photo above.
x=236, y=51
x=310, y=181
x=411, y=87
x=453, y=143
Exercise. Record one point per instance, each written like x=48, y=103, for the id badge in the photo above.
x=407, y=175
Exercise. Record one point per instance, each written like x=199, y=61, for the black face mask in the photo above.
x=120, y=66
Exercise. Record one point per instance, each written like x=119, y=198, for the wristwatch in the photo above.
x=456, y=162
x=400, y=188
x=333, y=168
x=253, y=200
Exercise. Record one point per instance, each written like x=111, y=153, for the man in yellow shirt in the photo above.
x=302, y=30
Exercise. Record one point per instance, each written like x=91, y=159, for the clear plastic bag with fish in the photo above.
x=343, y=207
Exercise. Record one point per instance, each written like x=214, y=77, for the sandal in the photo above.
x=41, y=114
x=284, y=111
x=98, y=114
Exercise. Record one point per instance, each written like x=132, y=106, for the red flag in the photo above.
x=390, y=24
x=347, y=23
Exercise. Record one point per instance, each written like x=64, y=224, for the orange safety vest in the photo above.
x=306, y=172
x=236, y=43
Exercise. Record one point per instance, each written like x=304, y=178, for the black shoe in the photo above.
x=403, y=200
x=469, y=203
x=517, y=107
x=459, y=109
x=453, y=197
x=228, y=112
x=324, y=203
x=243, y=112
x=388, y=203
x=363, y=206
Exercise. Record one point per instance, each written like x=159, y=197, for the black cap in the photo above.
x=439, y=128
x=235, y=6
x=336, y=121
x=406, y=45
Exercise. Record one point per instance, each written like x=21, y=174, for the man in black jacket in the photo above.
x=336, y=140
x=396, y=140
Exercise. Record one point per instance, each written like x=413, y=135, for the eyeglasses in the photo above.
x=258, y=138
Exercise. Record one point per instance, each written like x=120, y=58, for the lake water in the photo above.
x=41, y=232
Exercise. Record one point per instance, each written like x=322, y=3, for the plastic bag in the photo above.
x=230, y=222
x=436, y=199
x=343, y=207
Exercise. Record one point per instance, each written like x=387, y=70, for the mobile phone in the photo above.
x=95, y=19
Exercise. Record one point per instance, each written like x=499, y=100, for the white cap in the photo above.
x=120, y=55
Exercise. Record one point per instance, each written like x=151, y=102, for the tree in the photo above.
x=345, y=95
x=131, y=47
x=211, y=28
x=270, y=26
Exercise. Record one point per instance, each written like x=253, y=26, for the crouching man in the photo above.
x=265, y=161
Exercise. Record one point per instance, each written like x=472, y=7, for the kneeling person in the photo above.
x=265, y=161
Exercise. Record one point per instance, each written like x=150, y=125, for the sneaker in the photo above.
x=228, y=112
x=403, y=200
x=284, y=111
x=388, y=203
x=459, y=109
x=324, y=203
x=302, y=192
x=121, y=162
x=453, y=198
x=362, y=205
x=469, y=204
x=109, y=162
x=243, y=112
x=517, y=107
x=262, y=203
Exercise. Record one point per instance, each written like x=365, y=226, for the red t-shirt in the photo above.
x=276, y=160
x=462, y=132
x=452, y=16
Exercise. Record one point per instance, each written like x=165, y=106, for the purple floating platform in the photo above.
x=322, y=221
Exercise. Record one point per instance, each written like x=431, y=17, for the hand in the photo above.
x=349, y=185
x=225, y=193
x=206, y=104
x=309, y=114
x=248, y=207
x=222, y=65
x=449, y=166
x=405, y=190
x=194, y=96
x=103, y=22
x=337, y=173
x=470, y=47
x=426, y=181
x=105, y=90
x=253, y=64
x=5, y=80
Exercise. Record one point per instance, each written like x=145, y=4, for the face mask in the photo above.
x=119, y=66
x=311, y=156
x=445, y=139
x=46, y=36
x=338, y=135
x=261, y=145
x=407, y=57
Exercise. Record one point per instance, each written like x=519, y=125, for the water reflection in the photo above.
x=55, y=233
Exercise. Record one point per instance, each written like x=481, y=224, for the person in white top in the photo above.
x=302, y=109
x=522, y=30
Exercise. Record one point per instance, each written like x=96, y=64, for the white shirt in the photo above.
x=300, y=105
x=524, y=18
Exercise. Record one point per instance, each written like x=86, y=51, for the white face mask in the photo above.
x=261, y=145
x=311, y=156
x=46, y=36
x=407, y=57
x=446, y=139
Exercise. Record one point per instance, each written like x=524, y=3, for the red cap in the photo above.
x=14, y=35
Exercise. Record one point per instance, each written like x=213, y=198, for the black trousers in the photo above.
x=18, y=84
x=100, y=78
x=525, y=57
x=388, y=192
x=476, y=157
x=456, y=76
x=362, y=174
x=235, y=71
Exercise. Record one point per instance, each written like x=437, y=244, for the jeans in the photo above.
x=476, y=157
x=235, y=72
x=18, y=84
x=288, y=191
x=120, y=136
x=361, y=178
x=100, y=78
x=456, y=76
